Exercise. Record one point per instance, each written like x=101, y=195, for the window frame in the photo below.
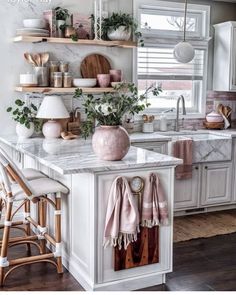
x=165, y=40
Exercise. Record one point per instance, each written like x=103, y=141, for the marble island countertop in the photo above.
x=71, y=157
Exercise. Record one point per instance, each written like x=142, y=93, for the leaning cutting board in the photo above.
x=144, y=251
x=93, y=65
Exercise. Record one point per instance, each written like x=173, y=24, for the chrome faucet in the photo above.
x=181, y=98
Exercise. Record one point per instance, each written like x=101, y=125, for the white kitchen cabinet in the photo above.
x=187, y=192
x=157, y=147
x=216, y=183
x=224, y=75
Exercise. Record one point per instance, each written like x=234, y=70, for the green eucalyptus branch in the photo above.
x=110, y=108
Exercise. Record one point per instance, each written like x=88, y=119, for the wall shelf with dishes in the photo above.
x=36, y=40
x=52, y=90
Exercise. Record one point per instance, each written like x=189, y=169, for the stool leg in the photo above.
x=58, y=229
x=27, y=225
x=42, y=221
x=5, y=239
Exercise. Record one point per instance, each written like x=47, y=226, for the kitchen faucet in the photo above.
x=181, y=98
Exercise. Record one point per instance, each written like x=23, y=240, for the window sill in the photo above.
x=190, y=116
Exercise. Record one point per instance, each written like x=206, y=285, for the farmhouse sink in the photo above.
x=207, y=147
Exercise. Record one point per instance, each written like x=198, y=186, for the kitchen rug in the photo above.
x=204, y=225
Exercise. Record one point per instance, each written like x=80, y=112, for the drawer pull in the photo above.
x=206, y=167
x=196, y=168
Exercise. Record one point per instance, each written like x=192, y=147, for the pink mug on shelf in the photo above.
x=104, y=80
x=115, y=75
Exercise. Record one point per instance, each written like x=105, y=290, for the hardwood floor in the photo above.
x=199, y=265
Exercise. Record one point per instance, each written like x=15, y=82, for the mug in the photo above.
x=103, y=80
x=115, y=75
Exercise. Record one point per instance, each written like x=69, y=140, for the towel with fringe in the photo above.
x=154, y=204
x=122, y=217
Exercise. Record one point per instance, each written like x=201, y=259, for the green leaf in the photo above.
x=9, y=109
x=19, y=103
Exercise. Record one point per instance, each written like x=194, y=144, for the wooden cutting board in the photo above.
x=93, y=65
x=144, y=251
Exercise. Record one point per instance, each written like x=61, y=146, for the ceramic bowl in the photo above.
x=34, y=23
x=214, y=117
x=82, y=82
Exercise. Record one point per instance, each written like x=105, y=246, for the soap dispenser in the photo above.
x=163, y=122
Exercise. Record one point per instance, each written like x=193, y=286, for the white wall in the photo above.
x=12, y=12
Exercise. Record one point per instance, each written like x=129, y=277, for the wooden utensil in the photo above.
x=44, y=58
x=93, y=65
x=37, y=59
x=30, y=59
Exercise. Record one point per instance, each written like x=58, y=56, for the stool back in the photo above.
x=9, y=171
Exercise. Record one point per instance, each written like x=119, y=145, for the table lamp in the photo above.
x=52, y=107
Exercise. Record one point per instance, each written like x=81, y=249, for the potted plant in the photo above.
x=25, y=116
x=110, y=140
x=61, y=16
x=119, y=27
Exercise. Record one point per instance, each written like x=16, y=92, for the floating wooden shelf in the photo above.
x=121, y=44
x=51, y=90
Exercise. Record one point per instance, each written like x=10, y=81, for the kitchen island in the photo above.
x=74, y=164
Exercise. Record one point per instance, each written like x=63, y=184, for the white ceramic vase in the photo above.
x=24, y=132
x=120, y=34
x=60, y=33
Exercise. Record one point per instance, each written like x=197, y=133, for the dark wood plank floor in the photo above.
x=199, y=265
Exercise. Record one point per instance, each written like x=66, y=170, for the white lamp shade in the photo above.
x=52, y=107
x=184, y=52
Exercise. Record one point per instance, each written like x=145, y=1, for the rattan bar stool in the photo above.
x=16, y=188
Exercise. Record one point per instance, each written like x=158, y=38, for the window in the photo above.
x=162, y=26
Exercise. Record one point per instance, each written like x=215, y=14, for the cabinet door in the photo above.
x=216, y=183
x=187, y=191
x=233, y=62
x=157, y=147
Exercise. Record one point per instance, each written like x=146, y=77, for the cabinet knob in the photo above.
x=196, y=168
x=206, y=167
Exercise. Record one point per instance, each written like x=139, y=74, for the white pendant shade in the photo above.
x=184, y=52
x=52, y=107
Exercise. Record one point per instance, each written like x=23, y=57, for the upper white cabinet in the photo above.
x=224, y=75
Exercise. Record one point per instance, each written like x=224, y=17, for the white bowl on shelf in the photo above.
x=83, y=82
x=37, y=23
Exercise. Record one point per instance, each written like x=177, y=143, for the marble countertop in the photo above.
x=71, y=157
x=167, y=136
x=148, y=137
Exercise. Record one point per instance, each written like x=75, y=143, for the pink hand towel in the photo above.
x=183, y=149
x=154, y=204
x=122, y=217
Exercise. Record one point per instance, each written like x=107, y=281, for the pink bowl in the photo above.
x=214, y=117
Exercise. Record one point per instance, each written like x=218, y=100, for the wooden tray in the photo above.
x=214, y=125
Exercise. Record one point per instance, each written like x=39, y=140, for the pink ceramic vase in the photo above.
x=104, y=80
x=111, y=143
x=115, y=75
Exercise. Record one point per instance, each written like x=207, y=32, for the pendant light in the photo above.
x=184, y=51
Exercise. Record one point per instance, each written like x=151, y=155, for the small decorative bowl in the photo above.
x=214, y=117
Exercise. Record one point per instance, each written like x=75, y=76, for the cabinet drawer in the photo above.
x=216, y=183
x=157, y=147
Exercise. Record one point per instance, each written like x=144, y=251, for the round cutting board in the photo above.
x=93, y=65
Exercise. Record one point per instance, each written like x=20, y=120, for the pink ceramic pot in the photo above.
x=115, y=75
x=111, y=143
x=104, y=80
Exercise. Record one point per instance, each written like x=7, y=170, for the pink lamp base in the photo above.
x=52, y=129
